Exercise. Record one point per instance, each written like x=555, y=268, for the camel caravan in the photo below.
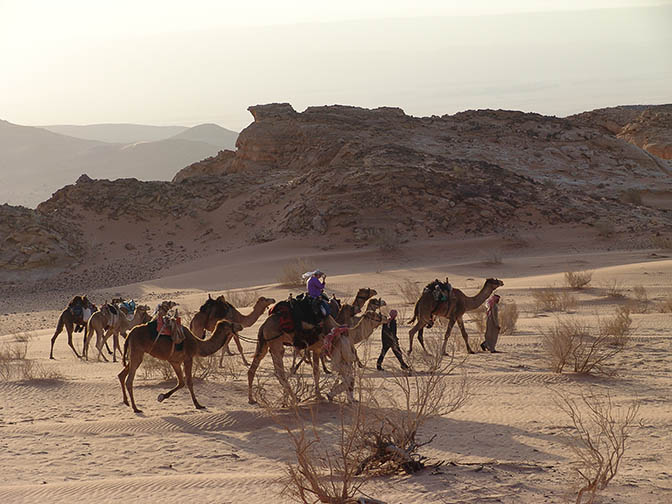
x=314, y=326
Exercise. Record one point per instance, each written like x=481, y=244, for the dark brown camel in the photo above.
x=143, y=339
x=427, y=308
x=68, y=320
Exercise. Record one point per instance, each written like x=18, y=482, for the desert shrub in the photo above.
x=397, y=413
x=573, y=343
x=508, y=318
x=618, y=328
x=640, y=303
x=494, y=258
x=614, y=289
x=605, y=228
x=578, y=279
x=552, y=300
x=410, y=291
x=384, y=239
x=14, y=364
x=241, y=298
x=597, y=438
x=665, y=306
x=153, y=368
x=291, y=274
x=662, y=242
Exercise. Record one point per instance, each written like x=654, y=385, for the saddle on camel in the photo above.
x=299, y=316
x=81, y=309
x=441, y=292
x=167, y=324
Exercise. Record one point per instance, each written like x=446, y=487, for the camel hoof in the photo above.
x=136, y=410
x=161, y=397
x=52, y=357
x=252, y=401
x=320, y=397
x=199, y=406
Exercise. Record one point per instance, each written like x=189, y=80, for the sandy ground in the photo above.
x=71, y=438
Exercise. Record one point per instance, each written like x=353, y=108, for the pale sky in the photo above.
x=178, y=62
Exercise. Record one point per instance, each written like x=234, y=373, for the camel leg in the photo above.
x=259, y=354
x=359, y=363
x=240, y=349
x=277, y=352
x=323, y=358
x=68, y=328
x=295, y=364
x=100, y=341
x=180, y=381
x=133, y=365
x=421, y=338
x=122, y=376
x=188, y=363
x=451, y=323
x=465, y=336
x=316, y=374
x=59, y=328
x=115, y=346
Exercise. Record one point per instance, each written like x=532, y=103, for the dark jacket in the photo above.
x=390, y=329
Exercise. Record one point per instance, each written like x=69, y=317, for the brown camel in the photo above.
x=104, y=324
x=214, y=310
x=343, y=355
x=343, y=314
x=143, y=339
x=71, y=321
x=426, y=308
x=272, y=337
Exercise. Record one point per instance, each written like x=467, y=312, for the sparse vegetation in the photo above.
x=605, y=228
x=549, y=300
x=204, y=368
x=640, y=303
x=508, y=318
x=598, y=439
x=571, y=342
x=665, y=306
x=614, y=289
x=384, y=239
x=410, y=291
x=494, y=258
x=578, y=279
x=241, y=298
x=15, y=366
x=291, y=274
x=662, y=242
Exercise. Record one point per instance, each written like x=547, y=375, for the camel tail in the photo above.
x=415, y=312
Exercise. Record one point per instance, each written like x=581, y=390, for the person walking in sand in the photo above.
x=492, y=324
x=390, y=340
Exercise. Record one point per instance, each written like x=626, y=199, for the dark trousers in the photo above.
x=393, y=343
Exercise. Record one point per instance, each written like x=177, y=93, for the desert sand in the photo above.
x=71, y=438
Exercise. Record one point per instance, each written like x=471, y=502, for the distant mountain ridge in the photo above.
x=35, y=162
x=117, y=133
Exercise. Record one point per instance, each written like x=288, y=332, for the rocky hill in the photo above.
x=346, y=175
x=648, y=127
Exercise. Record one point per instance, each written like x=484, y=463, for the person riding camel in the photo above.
x=315, y=288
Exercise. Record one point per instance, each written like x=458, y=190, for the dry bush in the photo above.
x=662, y=242
x=605, y=228
x=324, y=472
x=573, y=343
x=241, y=298
x=618, y=328
x=410, y=291
x=291, y=274
x=204, y=368
x=156, y=368
x=494, y=258
x=578, y=279
x=384, y=239
x=549, y=299
x=598, y=439
x=665, y=306
x=14, y=366
x=640, y=303
x=396, y=414
x=614, y=289
x=508, y=318
x=272, y=396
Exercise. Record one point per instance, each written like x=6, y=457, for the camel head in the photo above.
x=265, y=302
x=375, y=304
x=376, y=317
x=365, y=293
x=493, y=283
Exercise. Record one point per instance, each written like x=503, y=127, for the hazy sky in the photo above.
x=177, y=62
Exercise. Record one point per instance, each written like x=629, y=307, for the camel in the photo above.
x=343, y=355
x=143, y=339
x=344, y=315
x=104, y=324
x=68, y=320
x=453, y=309
x=272, y=337
x=218, y=309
